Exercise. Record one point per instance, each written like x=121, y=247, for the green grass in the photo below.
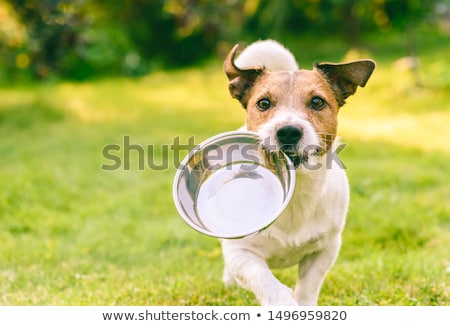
x=74, y=234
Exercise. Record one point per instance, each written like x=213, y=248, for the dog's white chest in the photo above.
x=289, y=256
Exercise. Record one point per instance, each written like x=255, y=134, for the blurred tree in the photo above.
x=82, y=38
x=53, y=32
x=13, y=36
x=174, y=32
x=347, y=18
x=334, y=17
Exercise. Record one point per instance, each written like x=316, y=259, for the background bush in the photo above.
x=79, y=39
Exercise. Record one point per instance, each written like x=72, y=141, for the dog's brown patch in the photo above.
x=293, y=91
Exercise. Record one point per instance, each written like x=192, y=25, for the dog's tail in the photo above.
x=269, y=54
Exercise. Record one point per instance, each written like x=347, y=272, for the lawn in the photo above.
x=74, y=233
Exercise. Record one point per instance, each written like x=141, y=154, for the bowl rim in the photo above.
x=290, y=169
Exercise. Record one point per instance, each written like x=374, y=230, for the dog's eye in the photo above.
x=317, y=103
x=263, y=104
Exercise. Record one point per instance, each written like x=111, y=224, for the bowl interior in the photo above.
x=230, y=187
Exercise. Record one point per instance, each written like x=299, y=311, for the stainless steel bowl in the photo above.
x=230, y=187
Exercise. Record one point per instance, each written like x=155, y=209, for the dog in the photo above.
x=294, y=111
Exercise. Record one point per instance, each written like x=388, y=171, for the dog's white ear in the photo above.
x=240, y=81
x=346, y=77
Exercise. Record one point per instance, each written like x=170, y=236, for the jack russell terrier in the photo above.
x=294, y=111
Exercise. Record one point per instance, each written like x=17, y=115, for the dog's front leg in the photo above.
x=253, y=274
x=312, y=271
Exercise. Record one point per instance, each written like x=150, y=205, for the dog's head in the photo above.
x=295, y=111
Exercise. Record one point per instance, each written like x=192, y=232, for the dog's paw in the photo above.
x=281, y=302
x=282, y=296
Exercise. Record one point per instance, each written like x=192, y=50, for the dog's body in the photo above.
x=294, y=111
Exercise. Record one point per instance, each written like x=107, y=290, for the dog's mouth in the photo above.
x=301, y=157
x=296, y=158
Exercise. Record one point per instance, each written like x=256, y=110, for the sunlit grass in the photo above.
x=392, y=109
x=74, y=234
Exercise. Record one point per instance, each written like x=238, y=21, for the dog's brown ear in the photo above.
x=346, y=77
x=240, y=80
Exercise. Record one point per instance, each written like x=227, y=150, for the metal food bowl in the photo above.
x=230, y=187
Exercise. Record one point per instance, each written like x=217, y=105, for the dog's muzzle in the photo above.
x=288, y=138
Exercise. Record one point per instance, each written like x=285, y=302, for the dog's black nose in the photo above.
x=289, y=135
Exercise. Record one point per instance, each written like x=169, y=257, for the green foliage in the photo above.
x=87, y=38
x=84, y=38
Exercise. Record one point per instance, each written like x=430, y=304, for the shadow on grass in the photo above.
x=24, y=116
